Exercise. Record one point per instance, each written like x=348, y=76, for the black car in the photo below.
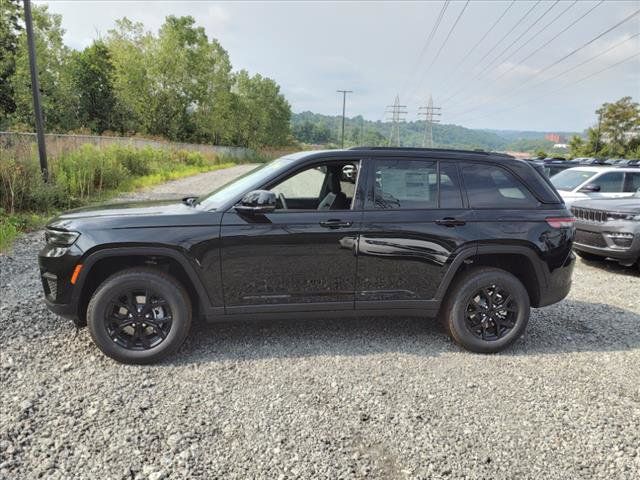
x=551, y=166
x=474, y=238
x=608, y=228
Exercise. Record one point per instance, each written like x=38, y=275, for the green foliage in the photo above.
x=618, y=133
x=177, y=84
x=316, y=129
x=91, y=172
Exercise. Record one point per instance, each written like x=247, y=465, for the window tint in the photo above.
x=493, y=187
x=450, y=194
x=405, y=184
x=610, y=182
x=632, y=183
x=307, y=183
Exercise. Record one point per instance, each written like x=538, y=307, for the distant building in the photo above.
x=555, y=138
x=561, y=146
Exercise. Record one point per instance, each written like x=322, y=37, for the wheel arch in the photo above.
x=99, y=265
x=522, y=262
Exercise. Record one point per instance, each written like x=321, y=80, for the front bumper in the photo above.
x=56, y=267
x=619, y=239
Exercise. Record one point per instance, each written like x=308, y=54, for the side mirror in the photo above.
x=590, y=187
x=257, y=201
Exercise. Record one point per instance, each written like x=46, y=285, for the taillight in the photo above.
x=560, y=222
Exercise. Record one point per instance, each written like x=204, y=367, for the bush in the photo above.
x=88, y=172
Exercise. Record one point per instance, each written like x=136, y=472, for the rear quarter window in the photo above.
x=490, y=186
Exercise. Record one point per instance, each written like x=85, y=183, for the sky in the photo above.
x=481, y=77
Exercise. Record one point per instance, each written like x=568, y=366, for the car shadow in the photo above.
x=570, y=326
x=612, y=266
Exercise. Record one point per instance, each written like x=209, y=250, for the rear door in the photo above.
x=415, y=220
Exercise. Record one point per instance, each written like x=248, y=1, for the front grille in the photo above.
x=597, y=216
x=50, y=284
x=590, y=238
x=589, y=214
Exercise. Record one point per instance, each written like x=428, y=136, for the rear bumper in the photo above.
x=558, y=283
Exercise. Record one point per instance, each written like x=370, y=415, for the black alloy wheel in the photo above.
x=139, y=315
x=486, y=310
x=138, y=319
x=491, y=313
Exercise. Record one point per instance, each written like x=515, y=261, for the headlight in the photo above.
x=60, y=238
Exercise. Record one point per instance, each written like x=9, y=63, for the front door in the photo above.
x=301, y=257
x=412, y=226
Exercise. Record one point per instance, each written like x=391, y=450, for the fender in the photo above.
x=468, y=254
x=90, y=260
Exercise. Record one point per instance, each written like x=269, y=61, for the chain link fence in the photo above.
x=24, y=145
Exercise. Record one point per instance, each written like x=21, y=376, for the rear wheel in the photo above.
x=588, y=256
x=139, y=315
x=486, y=310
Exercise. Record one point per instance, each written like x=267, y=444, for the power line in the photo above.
x=424, y=72
x=521, y=35
x=494, y=47
x=434, y=29
x=524, y=44
x=570, y=84
x=571, y=5
x=570, y=54
x=477, y=44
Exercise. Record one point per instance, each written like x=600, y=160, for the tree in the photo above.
x=10, y=28
x=52, y=56
x=91, y=73
x=620, y=122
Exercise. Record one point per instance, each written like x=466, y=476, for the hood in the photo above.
x=131, y=214
x=622, y=205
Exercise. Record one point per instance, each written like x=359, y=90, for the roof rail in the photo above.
x=435, y=150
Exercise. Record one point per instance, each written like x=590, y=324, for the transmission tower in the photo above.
x=431, y=115
x=396, y=113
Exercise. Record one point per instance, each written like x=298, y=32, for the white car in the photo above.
x=581, y=183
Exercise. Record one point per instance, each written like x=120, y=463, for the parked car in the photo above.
x=551, y=166
x=472, y=237
x=585, y=182
x=608, y=228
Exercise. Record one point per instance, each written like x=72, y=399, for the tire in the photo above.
x=154, y=301
x=591, y=257
x=465, y=306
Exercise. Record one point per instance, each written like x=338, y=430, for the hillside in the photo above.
x=314, y=128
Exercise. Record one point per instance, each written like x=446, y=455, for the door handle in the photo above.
x=335, y=224
x=450, y=222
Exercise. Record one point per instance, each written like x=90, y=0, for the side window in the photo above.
x=450, y=192
x=306, y=184
x=632, y=182
x=610, y=182
x=405, y=184
x=490, y=186
x=322, y=187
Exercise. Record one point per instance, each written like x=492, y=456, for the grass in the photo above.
x=89, y=174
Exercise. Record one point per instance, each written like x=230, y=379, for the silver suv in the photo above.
x=586, y=182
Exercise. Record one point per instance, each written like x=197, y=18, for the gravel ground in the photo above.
x=367, y=398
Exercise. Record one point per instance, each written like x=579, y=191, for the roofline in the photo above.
x=432, y=150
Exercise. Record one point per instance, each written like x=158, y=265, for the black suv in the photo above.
x=474, y=238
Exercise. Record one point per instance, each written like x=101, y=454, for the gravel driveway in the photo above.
x=366, y=398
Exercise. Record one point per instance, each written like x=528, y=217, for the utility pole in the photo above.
x=344, y=102
x=598, y=137
x=35, y=90
x=397, y=113
x=430, y=116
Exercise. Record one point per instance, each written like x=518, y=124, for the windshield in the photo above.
x=242, y=184
x=569, y=179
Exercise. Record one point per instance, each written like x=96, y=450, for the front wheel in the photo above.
x=486, y=310
x=139, y=315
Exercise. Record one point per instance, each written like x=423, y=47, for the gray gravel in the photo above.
x=367, y=398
